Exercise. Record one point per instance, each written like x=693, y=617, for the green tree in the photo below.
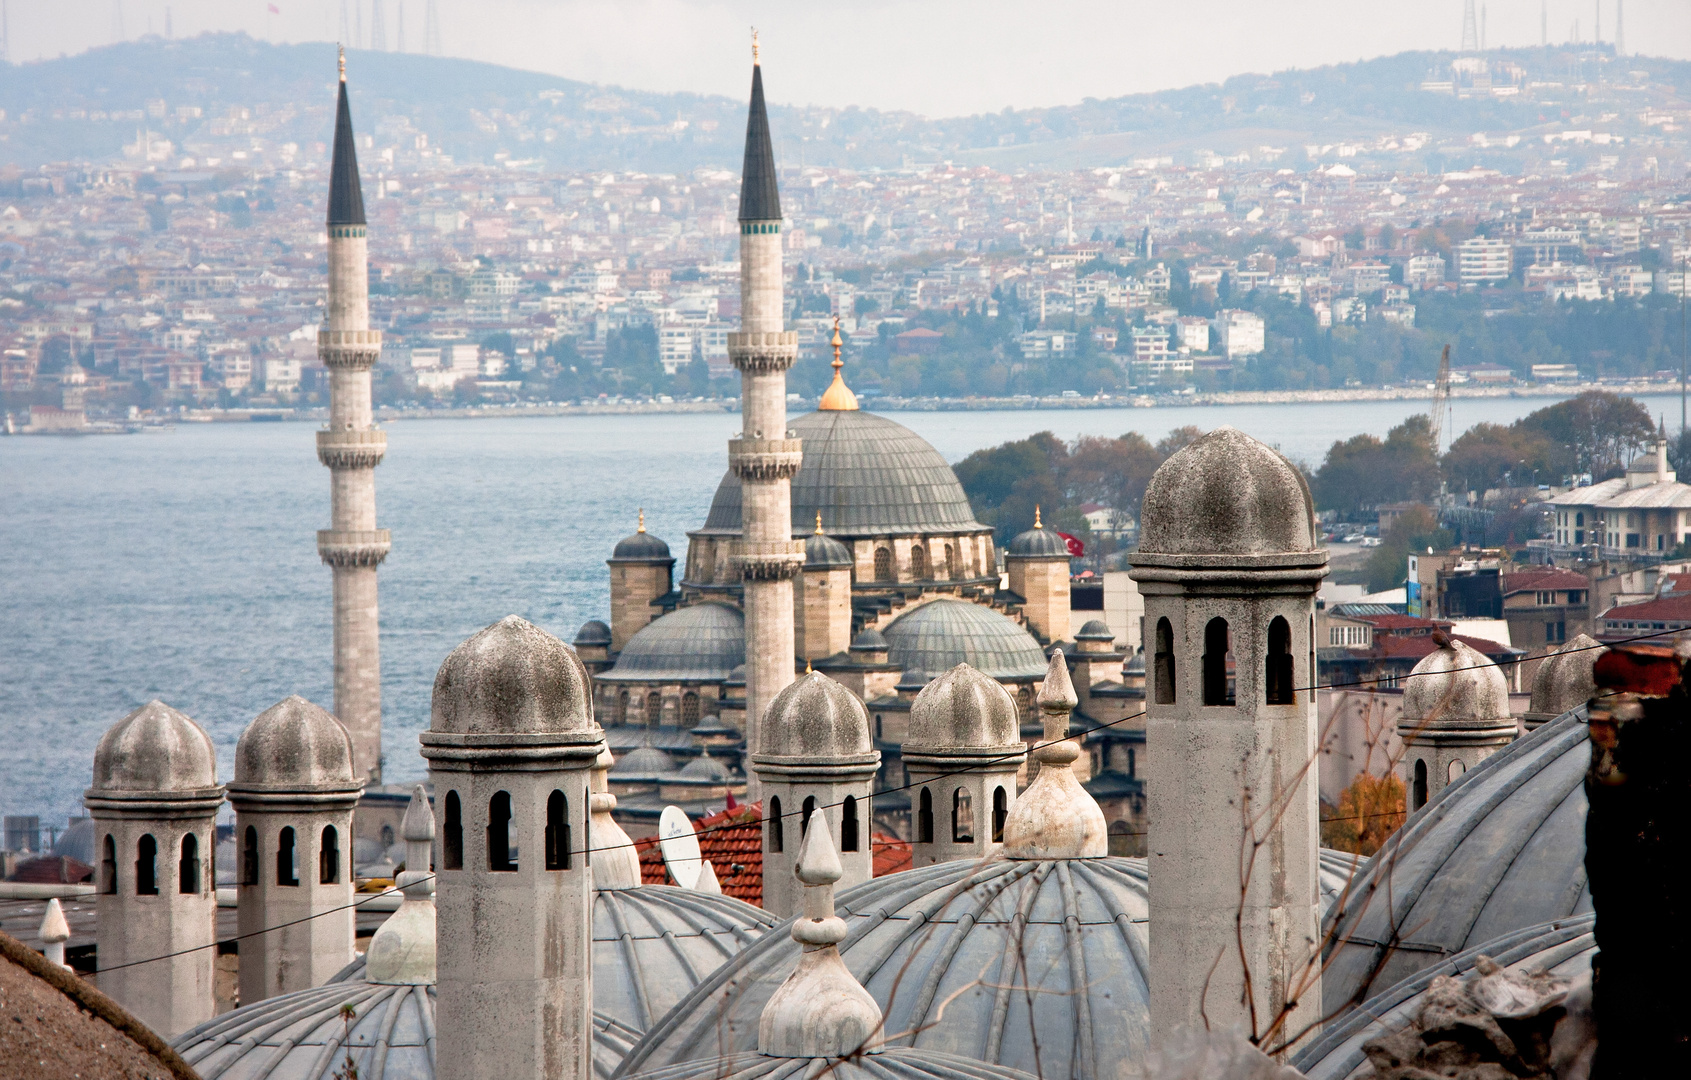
x=1597, y=431
x=1486, y=453
x=1414, y=529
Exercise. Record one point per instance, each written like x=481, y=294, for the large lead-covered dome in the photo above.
x=941, y=634
x=700, y=643
x=865, y=475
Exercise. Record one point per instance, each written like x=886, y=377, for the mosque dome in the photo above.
x=1095, y=630
x=1454, y=685
x=155, y=748
x=512, y=678
x=704, y=768
x=1227, y=494
x=1562, y=948
x=1564, y=680
x=870, y=640
x=1501, y=848
x=823, y=552
x=592, y=632
x=899, y=1063
x=642, y=761
x=964, y=709
x=294, y=744
x=941, y=634
x=865, y=475
x=815, y=718
x=698, y=643
x=641, y=547
x=1038, y=543
x=77, y=842
x=979, y=931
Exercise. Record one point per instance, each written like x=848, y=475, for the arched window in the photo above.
x=883, y=564
x=1024, y=701
x=108, y=867
x=1120, y=838
x=918, y=562
x=147, y=866
x=387, y=836
x=499, y=858
x=1419, y=795
x=1132, y=763
x=249, y=857
x=925, y=818
x=1279, y=689
x=1217, y=651
x=287, y=858
x=1164, y=663
x=689, y=709
x=1455, y=769
x=329, y=857
x=622, y=707
x=805, y=811
x=188, y=870
x=848, y=824
x=452, y=834
x=1000, y=814
x=654, y=709
x=962, y=817
x=777, y=837
x=951, y=562
x=557, y=832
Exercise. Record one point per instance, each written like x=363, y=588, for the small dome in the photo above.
x=1135, y=664
x=1227, y=494
x=643, y=761
x=705, y=768
x=912, y=679
x=902, y=1062
x=294, y=744
x=1038, y=544
x=1095, y=630
x=155, y=748
x=941, y=634
x=512, y=678
x=592, y=632
x=869, y=640
x=1501, y=848
x=1564, y=680
x=1454, y=685
x=699, y=643
x=641, y=547
x=823, y=552
x=963, y=709
x=77, y=842
x=815, y=718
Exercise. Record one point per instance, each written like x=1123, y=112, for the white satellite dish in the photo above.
x=680, y=847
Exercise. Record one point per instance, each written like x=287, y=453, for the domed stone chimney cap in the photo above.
x=1227, y=494
x=816, y=719
x=1454, y=684
x=1564, y=680
x=418, y=824
x=593, y=632
x=512, y=678
x=964, y=711
x=1095, y=630
x=1056, y=693
x=870, y=640
x=155, y=749
x=294, y=744
x=823, y=552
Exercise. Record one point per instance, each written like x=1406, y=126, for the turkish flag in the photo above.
x=1076, y=548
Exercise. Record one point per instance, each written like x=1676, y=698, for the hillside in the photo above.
x=86, y=107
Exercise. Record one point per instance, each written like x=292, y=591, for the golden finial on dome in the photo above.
x=807, y=665
x=818, y=523
x=1036, y=523
x=754, y=46
x=342, y=50
x=642, y=527
x=838, y=397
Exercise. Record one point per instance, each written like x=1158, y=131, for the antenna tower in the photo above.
x=1596, y=22
x=1441, y=400
x=1470, y=29
x=378, y=27
x=431, y=29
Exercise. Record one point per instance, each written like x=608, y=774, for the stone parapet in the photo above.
x=352, y=449
x=352, y=350
x=361, y=547
x=765, y=459
x=773, y=560
x=765, y=352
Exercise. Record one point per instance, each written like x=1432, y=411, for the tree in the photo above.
x=1485, y=454
x=1362, y=472
x=1414, y=529
x=1370, y=810
x=1113, y=472
x=1178, y=439
x=1005, y=483
x=1597, y=432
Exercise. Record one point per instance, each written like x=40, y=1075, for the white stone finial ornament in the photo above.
x=616, y=864
x=707, y=882
x=55, y=931
x=1055, y=818
x=821, y=1011
x=403, y=951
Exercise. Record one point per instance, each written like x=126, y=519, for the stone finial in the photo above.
x=403, y=951
x=155, y=749
x=815, y=718
x=294, y=744
x=511, y=678
x=1055, y=818
x=1564, y=680
x=821, y=1010
x=55, y=931
x=1454, y=684
x=964, y=710
x=707, y=882
x=616, y=865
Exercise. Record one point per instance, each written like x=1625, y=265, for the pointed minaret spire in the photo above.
x=346, y=195
x=760, y=198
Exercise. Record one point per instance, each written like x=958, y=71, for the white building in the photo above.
x=1480, y=261
x=1239, y=333
x=1193, y=332
x=1423, y=271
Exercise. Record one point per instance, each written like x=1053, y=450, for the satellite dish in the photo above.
x=680, y=847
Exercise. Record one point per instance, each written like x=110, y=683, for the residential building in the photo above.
x=1239, y=333
x=1480, y=261
x=1643, y=514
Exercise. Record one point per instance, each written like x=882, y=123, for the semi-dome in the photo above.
x=294, y=744
x=155, y=748
x=512, y=678
x=698, y=643
x=964, y=710
x=1501, y=848
x=1453, y=685
x=1562, y=948
x=1038, y=966
x=823, y=552
x=941, y=634
x=592, y=632
x=815, y=717
x=865, y=475
x=1227, y=494
x=1564, y=680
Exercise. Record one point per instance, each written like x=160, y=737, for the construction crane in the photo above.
x=1441, y=400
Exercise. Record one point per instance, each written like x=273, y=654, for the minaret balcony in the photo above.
x=763, y=352
x=352, y=449
x=353, y=547
x=765, y=459
x=768, y=560
x=353, y=349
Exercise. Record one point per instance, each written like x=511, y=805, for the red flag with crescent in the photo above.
x=1076, y=548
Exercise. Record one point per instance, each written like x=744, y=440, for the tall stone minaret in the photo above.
x=352, y=447
x=764, y=455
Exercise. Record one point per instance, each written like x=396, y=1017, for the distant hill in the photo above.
x=86, y=107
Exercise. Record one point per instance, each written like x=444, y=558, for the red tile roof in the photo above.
x=52, y=870
x=1664, y=609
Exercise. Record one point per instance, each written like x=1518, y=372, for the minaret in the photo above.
x=764, y=455
x=352, y=447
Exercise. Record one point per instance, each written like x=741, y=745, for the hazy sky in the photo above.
x=938, y=57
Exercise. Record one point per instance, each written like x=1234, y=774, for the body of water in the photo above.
x=182, y=565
